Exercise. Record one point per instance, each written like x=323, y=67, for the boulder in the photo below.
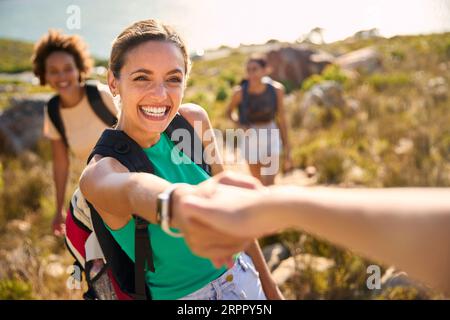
x=294, y=64
x=438, y=88
x=394, y=278
x=21, y=123
x=274, y=254
x=288, y=267
x=366, y=60
x=327, y=94
x=367, y=34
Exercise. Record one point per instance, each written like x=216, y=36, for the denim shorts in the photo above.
x=241, y=282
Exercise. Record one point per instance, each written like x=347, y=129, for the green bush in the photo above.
x=398, y=55
x=330, y=164
x=330, y=73
x=25, y=183
x=288, y=86
x=13, y=289
x=222, y=94
x=229, y=78
x=399, y=293
x=383, y=81
x=447, y=49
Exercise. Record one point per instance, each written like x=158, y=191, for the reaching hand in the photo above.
x=216, y=216
x=201, y=238
x=228, y=209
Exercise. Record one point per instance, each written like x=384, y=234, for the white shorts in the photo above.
x=241, y=282
x=260, y=143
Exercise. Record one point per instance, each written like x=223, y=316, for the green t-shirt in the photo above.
x=178, y=272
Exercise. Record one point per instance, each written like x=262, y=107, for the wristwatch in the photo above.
x=164, y=210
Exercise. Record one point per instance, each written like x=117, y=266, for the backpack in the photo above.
x=96, y=103
x=109, y=272
x=249, y=115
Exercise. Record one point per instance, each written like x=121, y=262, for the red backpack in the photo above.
x=109, y=272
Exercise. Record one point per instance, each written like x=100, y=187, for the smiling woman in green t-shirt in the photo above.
x=149, y=66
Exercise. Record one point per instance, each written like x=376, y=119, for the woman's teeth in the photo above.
x=154, y=111
x=63, y=84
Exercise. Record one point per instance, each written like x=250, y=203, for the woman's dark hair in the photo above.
x=54, y=41
x=261, y=60
x=139, y=33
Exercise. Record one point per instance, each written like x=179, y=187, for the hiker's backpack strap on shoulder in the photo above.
x=98, y=106
x=55, y=117
x=118, y=145
x=196, y=150
x=273, y=91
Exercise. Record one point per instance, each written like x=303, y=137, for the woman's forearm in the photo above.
x=60, y=175
x=121, y=193
x=409, y=228
x=143, y=190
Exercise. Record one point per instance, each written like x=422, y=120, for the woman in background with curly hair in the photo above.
x=63, y=62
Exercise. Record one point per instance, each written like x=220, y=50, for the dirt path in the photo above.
x=296, y=177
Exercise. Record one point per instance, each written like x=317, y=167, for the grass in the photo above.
x=15, y=55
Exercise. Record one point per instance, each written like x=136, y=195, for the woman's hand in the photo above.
x=201, y=238
x=287, y=162
x=228, y=209
x=60, y=174
x=205, y=214
x=58, y=225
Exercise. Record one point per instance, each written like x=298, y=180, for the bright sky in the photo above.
x=211, y=23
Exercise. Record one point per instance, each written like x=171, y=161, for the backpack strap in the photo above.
x=122, y=267
x=196, y=150
x=98, y=106
x=142, y=254
x=118, y=145
x=96, y=103
x=55, y=117
x=272, y=90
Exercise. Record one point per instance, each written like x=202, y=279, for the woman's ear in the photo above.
x=112, y=83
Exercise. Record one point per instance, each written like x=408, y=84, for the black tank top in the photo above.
x=258, y=108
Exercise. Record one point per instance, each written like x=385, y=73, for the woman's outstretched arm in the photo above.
x=117, y=193
x=408, y=227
